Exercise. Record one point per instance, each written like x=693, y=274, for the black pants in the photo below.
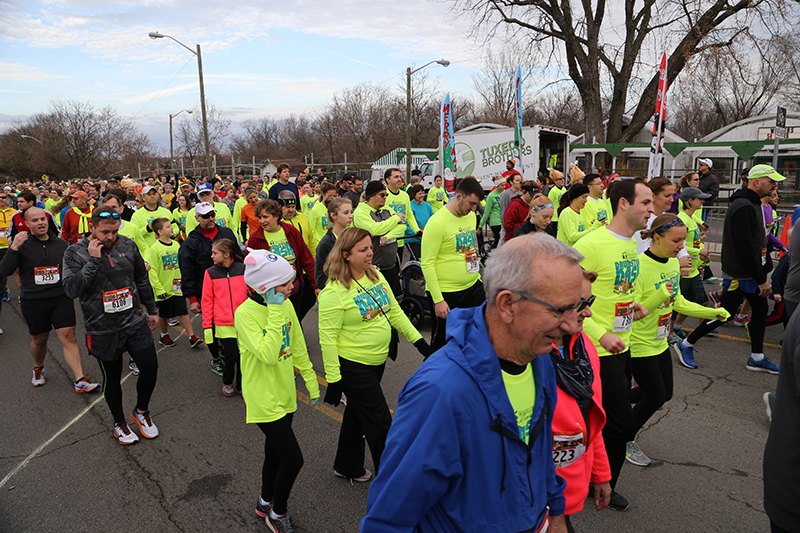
x=282, y=462
x=366, y=416
x=304, y=300
x=654, y=385
x=496, y=232
x=392, y=276
x=471, y=297
x=147, y=362
x=230, y=358
x=731, y=300
x=615, y=373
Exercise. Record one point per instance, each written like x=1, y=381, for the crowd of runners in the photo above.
x=556, y=305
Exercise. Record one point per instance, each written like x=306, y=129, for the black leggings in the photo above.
x=147, y=362
x=731, y=300
x=366, y=416
x=304, y=300
x=496, y=233
x=282, y=462
x=615, y=374
x=471, y=297
x=231, y=366
x=654, y=385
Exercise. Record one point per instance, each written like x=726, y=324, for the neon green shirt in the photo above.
x=165, y=273
x=555, y=195
x=437, y=197
x=238, y=205
x=521, y=390
x=596, y=213
x=142, y=217
x=318, y=220
x=280, y=245
x=222, y=219
x=450, y=260
x=616, y=262
x=352, y=326
x=400, y=203
x=307, y=203
x=693, y=244
x=48, y=205
x=180, y=217
x=271, y=344
x=300, y=222
x=362, y=218
x=571, y=227
x=649, y=335
x=130, y=230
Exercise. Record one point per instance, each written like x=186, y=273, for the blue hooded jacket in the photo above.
x=453, y=459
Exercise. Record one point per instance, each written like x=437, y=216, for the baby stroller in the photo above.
x=415, y=302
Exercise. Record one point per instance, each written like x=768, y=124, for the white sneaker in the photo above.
x=146, y=425
x=38, y=377
x=1, y=331
x=173, y=321
x=85, y=385
x=133, y=368
x=363, y=478
x=124, y=435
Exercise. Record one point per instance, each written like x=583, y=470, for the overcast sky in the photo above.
x=260, y=59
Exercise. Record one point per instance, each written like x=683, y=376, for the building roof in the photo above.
x=715, y=135
x=669, y=136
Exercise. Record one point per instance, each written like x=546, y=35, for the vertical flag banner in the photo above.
x=656, y=144
x=449, y=165
x=519, y=142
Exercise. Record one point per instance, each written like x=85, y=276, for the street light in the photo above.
x=172, y=157
x=409, y=72
x=29, y=137
x=156, y=35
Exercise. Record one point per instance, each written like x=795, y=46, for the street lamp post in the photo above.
x=156, y=35
x=409, y=72
x=30, y=137
x=172, y=157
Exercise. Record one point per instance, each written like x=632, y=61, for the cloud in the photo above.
x=180, y=89
x=27, y=73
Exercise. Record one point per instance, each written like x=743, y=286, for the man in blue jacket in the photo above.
x=470, y=447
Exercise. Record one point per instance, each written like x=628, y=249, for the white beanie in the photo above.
x=264, y=270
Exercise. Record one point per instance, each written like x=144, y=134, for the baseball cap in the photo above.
x=79, y=194
x=706, y=161
x=183, y=183
x=264, y=270
x=530, y=189
x=373, y=188
x=764, y=171
x=204, y=208
x=693, y=192
x=147, y=188
x=204, y=187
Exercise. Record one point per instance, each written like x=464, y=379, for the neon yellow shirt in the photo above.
x=222, y=219
x=521, y=390
x=271, y=344
x=237, y=215
x=318, y=220
x=693, y=244
x=617, y=265
x=300, y=222
x=571, y=227
x=180, y=217
x=279, y=244
x=437, y=197
x=595, y=213
x=142, y=217
x=307, y=203
x=50, y=203
x=649, y=335
x=555, y=195
x=450, y=260
x=165, y=273
x=362, y=218
x=132, y=231
x=352, y=326
x=400, y=203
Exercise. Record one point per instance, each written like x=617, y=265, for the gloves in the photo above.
x=423, y=348
x=333, y=395
x=161, y=296
x=208, y=335
x=271, y=297
x=314, y=401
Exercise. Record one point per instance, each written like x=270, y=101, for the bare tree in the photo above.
x=190, y=133
x=495, y=85
x=261, y=138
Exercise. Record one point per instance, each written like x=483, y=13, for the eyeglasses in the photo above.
x=212, y=214
x=382, y=194
x=561, y=311
x=106, y=214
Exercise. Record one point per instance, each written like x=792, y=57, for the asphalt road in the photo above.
x=60, y=469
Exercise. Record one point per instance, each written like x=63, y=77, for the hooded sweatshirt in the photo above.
x=744, y=238
x=454, y=460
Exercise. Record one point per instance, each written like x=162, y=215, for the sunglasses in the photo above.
x=212, y=214
x=561, y=311
x=106, y=214
x=382, y=194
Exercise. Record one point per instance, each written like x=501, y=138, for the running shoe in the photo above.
x=173, y=321
x=366, y=476
x=618, y=502
x=165, y=340
x=711, y=280
x=5, y=295
x=133, y=368
x=146, y=425
x=228, y=390
x=281, y=524
x=262, y=510
x=679, y=331
x=712, y=333
x=38, y=377
x=195, y=341
x=124, y=435
x=765, y=365
x=1, y=331
x=84, y=385
x=686, y=355
x=216, y=366
x=769, y=397
x=635, y=455
x=673, y=339
x=741, y=320
x=714, y=296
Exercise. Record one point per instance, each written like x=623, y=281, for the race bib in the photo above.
x=623, y=317
x=5, y=233
x=176, y=285
x=473, y=261
x=46, y=275
x=567, y=449
x=663, y=326
x=117, y=301
x=763, y=256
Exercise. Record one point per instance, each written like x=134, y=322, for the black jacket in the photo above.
x=194, y=259
x=323, y=250
x=744, y=237
x=709, y=184
x=36, y=254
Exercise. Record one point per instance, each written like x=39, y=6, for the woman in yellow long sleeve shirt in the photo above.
x=356, y=313
x=571, y=226
x=271, y=345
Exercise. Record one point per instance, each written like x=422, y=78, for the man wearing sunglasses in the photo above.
x=108, y=275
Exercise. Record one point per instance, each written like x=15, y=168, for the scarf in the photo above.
x=83, y=220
